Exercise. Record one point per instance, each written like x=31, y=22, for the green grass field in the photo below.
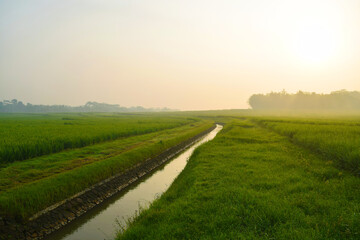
x=31, y=185
x=24, y=136
x=263, y=179
x=337, y=141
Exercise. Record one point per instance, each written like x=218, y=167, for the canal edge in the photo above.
x=60, y=214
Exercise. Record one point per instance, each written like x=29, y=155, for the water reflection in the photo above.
x=100, y=222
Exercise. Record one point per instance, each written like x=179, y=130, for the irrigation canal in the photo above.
x=103, y=221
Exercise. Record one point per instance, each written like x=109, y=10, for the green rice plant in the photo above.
x=337, y=141
x=29, y=186
x=252, y=183
x=24, y=136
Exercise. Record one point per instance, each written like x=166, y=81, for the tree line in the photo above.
x=15, y=106
x=337, y=100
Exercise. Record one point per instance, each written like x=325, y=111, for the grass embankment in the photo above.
x=251, y=183
x=337, y=141
x=29, y=186
x=24, y=136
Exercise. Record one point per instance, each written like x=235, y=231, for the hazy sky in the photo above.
x=179, y=54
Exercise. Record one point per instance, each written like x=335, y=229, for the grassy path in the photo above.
x=250, y=183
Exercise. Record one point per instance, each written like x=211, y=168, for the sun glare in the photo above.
x=315, y=43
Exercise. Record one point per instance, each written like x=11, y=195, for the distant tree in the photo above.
x=336, y=100
x=18, y=106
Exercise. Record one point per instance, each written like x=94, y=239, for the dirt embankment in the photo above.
x=60, y=214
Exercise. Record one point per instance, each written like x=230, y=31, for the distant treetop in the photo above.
x=19, y=107
x=337, y=100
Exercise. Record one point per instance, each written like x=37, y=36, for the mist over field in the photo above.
x=181, y=119
x=15, y=106
x=338, y=100
x=186, y=55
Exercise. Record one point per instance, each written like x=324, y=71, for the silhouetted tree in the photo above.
x=18, y=106
x=337, y=100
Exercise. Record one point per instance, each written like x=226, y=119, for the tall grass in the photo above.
x=24, y=136
x=250, y=183
x=337, y=141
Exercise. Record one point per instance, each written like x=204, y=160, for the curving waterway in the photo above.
x=102, y=222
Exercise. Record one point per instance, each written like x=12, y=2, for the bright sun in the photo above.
x=315, y=43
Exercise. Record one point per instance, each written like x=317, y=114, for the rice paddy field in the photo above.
x=54, y=156
x=337, y=141
x=24, y=136
x=264, y=178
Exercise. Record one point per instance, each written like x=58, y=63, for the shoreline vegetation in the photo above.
x=251, y=182
x=43, y=223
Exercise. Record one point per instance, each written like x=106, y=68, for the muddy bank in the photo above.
x=58, y=215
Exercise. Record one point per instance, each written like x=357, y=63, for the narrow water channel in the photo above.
x=101, y=222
